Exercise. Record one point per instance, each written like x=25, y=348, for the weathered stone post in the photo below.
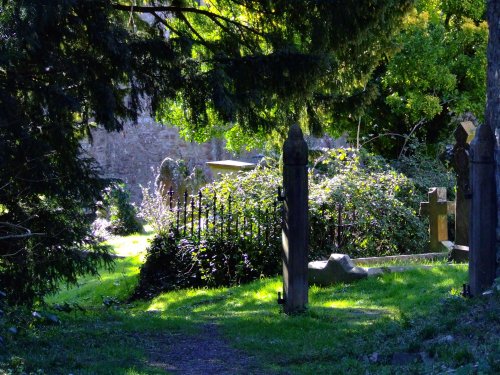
x=464, y=134
x=483, y=219
x=295, y=233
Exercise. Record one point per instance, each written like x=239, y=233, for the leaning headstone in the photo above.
x=437, y=209
x=295, y=232
x=464, y=134
x=483, y=219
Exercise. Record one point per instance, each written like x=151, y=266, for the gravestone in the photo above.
x=483, y=219
x=295, y=232
x=438, y=208
x=168, y=177
x=177, y=176
x=464, y=134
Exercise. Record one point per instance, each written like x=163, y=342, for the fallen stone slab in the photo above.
x=339, y=268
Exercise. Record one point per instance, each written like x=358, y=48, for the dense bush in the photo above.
x=376, y=204
x=167, y=266
x=425, y=171
x=173, y=262
x=358, y=205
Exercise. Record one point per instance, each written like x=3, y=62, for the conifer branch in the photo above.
x=181, y=10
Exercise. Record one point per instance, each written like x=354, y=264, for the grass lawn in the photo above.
x=411, y=322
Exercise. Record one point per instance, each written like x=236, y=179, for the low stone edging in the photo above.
x=374, y=260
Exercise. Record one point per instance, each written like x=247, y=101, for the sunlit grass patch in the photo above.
x=130, y=245
x=91, y=290
x=343, y=324
x=117, y=283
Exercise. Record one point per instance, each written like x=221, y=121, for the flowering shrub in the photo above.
x=155, y=210
x=360, y=206
x=357, y=205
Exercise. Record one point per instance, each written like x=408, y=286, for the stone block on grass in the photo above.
x=339, y=268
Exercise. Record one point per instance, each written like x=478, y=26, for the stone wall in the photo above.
x=133, y=154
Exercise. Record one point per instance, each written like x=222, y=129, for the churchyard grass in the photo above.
x=363, y=327
x=115, y=285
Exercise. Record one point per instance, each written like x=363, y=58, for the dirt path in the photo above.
x=204, y=353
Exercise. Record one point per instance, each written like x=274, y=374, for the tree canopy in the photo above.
x=436, y=71
x=253, y=67
x=223, y=66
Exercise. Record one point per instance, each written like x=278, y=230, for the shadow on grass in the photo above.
x=343, y=325
x=348, y=321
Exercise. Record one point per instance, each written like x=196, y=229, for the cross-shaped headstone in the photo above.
x=437, y=208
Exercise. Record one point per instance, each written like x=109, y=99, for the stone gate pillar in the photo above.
x=295, y=233
x=483, y=219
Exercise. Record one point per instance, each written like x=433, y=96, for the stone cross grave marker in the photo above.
x=437, y=208
x=295, y=232
x=464, y=134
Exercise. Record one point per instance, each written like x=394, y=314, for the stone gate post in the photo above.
x=295, y=232
x=483, y=219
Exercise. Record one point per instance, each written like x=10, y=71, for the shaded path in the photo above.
x=205, y=352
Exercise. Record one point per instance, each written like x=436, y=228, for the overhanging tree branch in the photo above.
x=195, y=32
x=182, y=10
x=15, y=231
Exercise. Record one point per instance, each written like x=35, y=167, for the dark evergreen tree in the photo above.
x=68, y=65
x=64, y=66
x=253, y=67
